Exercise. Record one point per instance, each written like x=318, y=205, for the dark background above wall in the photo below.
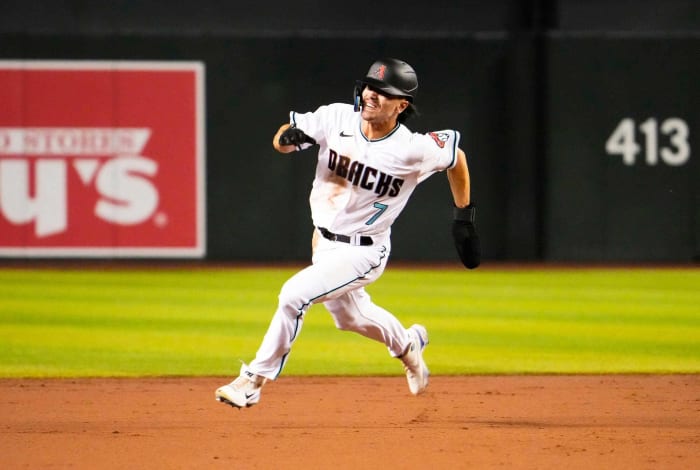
x=536, y=88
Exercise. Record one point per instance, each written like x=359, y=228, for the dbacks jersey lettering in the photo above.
x=362, y=185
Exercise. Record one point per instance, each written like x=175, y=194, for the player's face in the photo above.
x=379, y=107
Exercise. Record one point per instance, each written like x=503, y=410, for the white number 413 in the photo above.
x=622, y=141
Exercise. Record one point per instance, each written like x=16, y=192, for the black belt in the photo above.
x=364, y=240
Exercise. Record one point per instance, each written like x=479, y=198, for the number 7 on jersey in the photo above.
x=381, y=208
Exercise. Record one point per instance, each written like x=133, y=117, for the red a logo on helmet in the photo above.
x=380, y=72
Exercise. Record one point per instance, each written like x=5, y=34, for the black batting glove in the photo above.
x=294, y=136
x=465, y=237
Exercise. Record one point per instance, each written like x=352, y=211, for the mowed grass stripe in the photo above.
x=131, y=322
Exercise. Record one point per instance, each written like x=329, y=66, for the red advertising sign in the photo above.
x=101, y=159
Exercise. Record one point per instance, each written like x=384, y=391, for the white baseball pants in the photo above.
x=337, y=278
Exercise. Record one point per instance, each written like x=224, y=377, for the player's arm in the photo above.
x=458, y=176
x=289, y=138
x=463, y=225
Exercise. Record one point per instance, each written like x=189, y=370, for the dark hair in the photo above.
x=410, y=111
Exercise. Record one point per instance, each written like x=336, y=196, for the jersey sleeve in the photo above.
x=317, y=123
x=439, y=151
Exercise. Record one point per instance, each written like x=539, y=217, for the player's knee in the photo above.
x=345, y=324
x=343, y=318
x=291, y=300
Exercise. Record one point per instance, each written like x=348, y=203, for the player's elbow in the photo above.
x=276, y=141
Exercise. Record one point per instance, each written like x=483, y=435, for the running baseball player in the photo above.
x=369, y=163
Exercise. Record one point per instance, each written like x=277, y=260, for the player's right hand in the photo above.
x=295, y=136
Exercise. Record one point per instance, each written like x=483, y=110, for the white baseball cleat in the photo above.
x=242, y=392
x=417, y=372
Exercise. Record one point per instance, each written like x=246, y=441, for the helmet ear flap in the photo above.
x=357, y=96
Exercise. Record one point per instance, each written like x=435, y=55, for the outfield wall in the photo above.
x=622, y=173
x=581, y=135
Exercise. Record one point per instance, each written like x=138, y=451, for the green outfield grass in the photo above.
x=146, y=322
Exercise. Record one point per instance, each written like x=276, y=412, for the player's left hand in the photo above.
x=295, y=136
x=465, y=237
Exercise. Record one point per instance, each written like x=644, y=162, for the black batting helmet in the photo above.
x=391, y=76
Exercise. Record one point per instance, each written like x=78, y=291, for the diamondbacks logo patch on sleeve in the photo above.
x=440, y=138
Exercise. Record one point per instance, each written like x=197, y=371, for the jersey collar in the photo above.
x=392, y=132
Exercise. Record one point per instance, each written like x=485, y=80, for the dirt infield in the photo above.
x=460, y=422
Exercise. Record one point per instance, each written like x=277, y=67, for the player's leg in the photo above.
x=355, y=311
x=336, y=269
x=295, y=297
x=334, y=272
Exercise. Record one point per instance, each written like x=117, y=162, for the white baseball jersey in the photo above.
x=362, y=185
x=360, y=188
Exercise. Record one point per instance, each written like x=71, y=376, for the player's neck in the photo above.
x=377, y=130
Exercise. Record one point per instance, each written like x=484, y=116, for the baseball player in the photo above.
x=369, y=163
